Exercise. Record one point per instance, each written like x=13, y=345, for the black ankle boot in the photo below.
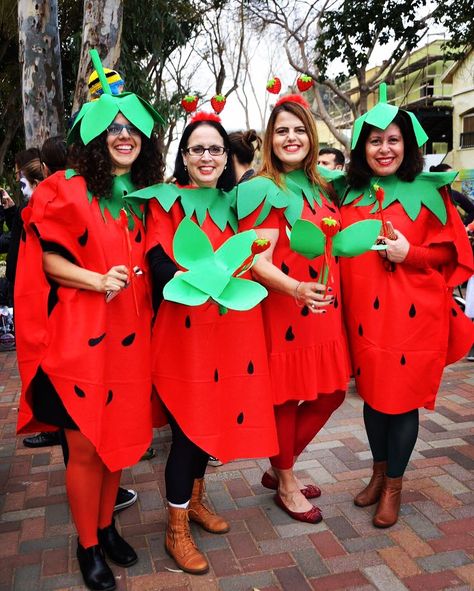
x=95, y=571
x=115, y=547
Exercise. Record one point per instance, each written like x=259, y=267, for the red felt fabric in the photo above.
x=210, y=370
x=404, y=326
x=96, y=354
x=308, y=353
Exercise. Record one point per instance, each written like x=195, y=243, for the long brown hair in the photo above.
x=272, y=166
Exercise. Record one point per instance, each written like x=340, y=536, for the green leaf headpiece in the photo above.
x=95, y=116
x=382, y=115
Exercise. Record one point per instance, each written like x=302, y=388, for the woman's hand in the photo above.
x=311, y=294
x=396, y=250
x=114, y=280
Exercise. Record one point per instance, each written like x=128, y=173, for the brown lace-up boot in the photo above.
x=180, y=545
x=371, y=493
x=389, y=503
x=201, y=514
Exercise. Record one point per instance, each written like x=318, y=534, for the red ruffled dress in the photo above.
x=96, y=354
x=403, y=324
x=308, y=353
x=210, y=370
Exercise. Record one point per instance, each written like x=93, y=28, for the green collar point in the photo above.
x=209, y=274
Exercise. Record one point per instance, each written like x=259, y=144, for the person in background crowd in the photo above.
x=331, y=158
x=244, y=145
x=463, y=201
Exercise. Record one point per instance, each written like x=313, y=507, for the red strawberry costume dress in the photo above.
x=96, y=354
x=209, y=369
x=406, y=328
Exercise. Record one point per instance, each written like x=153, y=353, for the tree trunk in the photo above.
x=40, y=60
x=101, y=30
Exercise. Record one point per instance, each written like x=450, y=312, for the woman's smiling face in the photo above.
x=205, y=170
x=384, y=150
x=124, y=147
x=290, y=141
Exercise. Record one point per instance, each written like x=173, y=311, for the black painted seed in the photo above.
x=336, y=259
x=240, y=418
x=110, y=396
x=289, y=336
x=250, y=367
x=138, y=237
x=376, y=303
x=285, y=268
x=331, y=208
x=83, y=239
x=360, y=330
x=216, y=375
x=312, y=272
x=336, y=302
x=187, y=322
x=412, y=311
x=128, y=340
x=79, y=392
x=454, y=312
x=304, y=311
x=358, y=371
x=403, y=360
x=96, y=341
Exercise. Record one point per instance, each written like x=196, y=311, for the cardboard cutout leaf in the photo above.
x=132, y=109
x=251, y=194
x=208, y=274
x=307, y=239
x=178, y=290
x=236, y=249
x=242, y=294
x=356, y=238
x=98, y=117
x=190, y=244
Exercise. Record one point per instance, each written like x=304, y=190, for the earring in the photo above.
x=185, y=168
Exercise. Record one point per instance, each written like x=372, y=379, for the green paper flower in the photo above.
x=210, y=274
x=382, y=115
x=95, y=116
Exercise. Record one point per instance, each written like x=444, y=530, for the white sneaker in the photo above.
x=215, y=462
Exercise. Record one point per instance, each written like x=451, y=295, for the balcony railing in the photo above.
x=467, y=139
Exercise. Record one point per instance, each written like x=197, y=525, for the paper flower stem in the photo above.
x=100, y=71
x=124, y=222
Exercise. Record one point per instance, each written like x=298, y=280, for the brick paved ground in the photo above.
x=431, y=548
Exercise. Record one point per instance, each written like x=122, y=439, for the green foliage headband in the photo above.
x=95, y=116
x=382, y=115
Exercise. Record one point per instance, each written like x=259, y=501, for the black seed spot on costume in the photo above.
x=331, y=208
x=240, y=418
x=250, y=367
x=110, y=396
x=412, y=311
x=312, y=272
x=358, y=371
x=304, y=311
x=216, y=375
x=23, y=236
x=79, y=392
x=336, y=260
x=454, y=312
x=360, y=330
x=83, y=239
x=187, y=322
x=403, y=361
x=138, y=237
x=289, y=336
x=285, y=268
x=127, y=341
x=96, y=340
x=336, y=302
x=376, y=303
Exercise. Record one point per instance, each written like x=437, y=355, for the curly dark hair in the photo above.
x=359, y=172
x=92, y=161
x=227, y=179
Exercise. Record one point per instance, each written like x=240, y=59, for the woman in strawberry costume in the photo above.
x=403, y=324
x=209, y=362
x=83, y=317
x=305, y=337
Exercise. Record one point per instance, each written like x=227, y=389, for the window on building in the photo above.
x=467, y=135
x=427, y=86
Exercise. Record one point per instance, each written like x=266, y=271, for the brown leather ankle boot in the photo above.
x=201, y=514
x=389, y=503
x=180, y=545
x=371, y=493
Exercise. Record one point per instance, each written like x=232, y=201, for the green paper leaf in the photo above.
x=252, y=193
x=98, y=117
x=190, y=244
x=177, y=290
x=208, y=274
x=132, y=109
x=100, y=71
x=420, y=134
x=356, y=238
x=307, y=239
x=242, y=294
x=235, y=250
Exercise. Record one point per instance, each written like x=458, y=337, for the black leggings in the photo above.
x=186, y=462
x=391, y=438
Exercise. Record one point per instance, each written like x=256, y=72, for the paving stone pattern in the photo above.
x=431, y=548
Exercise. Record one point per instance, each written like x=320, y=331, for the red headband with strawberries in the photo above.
x=303, y=82
x=190, y=103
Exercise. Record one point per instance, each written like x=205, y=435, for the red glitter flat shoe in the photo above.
x=312, y=516
x=310, y=491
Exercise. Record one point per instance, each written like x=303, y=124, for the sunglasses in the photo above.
x=117, y=128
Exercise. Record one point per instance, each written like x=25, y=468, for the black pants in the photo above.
x=392, y=438
x=186, y=462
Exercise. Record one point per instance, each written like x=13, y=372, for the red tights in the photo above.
x=297, y=424
x=91, y=488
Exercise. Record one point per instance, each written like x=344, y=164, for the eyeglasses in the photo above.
x=117, y=128
x=199, y=150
